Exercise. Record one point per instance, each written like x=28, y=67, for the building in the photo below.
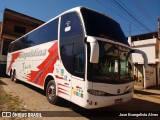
x=13, y=26
x=150, y=44
x=0, y=25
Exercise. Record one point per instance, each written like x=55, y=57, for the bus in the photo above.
x=81, y=56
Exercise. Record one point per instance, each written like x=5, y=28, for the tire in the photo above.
x=13, y=77
x=51, y=92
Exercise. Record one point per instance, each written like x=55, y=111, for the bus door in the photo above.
x=78, y=74
x=64, y=81
x=72, y=72
x=72, y=53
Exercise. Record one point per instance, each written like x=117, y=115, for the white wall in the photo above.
x=150, y=52
x=150, y=73
x=147, y=46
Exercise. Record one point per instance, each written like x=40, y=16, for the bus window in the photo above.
x=67, y=53
x=112, y=66
x=18, y=45
x=70, y=25
x=25, y=42
x=46, y=33
x=100, y=25
x=71, y=41
x=79, y=59
x=79, y=63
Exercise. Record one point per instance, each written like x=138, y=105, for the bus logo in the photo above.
x=118, y=91
x=68, y=28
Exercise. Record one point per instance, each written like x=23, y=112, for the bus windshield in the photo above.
x=100, y=25
x=113, y=67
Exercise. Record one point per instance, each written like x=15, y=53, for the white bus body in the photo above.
x=61, y=58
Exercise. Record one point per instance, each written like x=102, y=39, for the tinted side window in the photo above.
x=70, y=25
x=47, y=33
x=72, y=44
x=79, y=63
x=17, y=46
x=79, y=60
x=11, y=46
x=67, y=53
x=69, y=30
x=26, y=42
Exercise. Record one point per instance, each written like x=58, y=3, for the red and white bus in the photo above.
x=80, y=55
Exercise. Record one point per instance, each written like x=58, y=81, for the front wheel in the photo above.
x=51, y=92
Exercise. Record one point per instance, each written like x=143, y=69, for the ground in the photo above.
x=24, y=97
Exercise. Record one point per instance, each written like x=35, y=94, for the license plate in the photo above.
x=118, y=101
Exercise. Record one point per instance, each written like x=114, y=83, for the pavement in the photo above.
x=155, y=89
x=144, y=100
x=151, y=94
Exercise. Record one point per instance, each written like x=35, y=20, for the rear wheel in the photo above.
x=51, y=92
x=13, y=77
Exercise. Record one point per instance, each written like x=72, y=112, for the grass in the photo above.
x=9, y=102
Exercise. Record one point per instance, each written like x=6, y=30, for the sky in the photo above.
x=134, y=16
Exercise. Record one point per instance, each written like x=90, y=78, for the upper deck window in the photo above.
x=70, y=25
x=44, y=34
x=99, y=25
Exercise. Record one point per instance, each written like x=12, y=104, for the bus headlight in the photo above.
x=96, y=92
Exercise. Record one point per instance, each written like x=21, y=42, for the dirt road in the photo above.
x=35, y=100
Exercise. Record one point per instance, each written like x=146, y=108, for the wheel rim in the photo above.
x=51, y=92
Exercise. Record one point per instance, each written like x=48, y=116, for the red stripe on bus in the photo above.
x=13, y=58
x=47, y=66
x=61, y=89
x=62, y=92
x=58, y=77
x=63, y=85
x=77, y=86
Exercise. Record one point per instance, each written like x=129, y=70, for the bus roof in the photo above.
x=70, y=10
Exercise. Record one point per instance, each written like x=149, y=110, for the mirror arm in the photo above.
x=140, y=52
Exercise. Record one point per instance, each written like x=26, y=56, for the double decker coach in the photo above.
x=80, y=55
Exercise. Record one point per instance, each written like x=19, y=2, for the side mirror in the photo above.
x=94, y=53
x=140, y=52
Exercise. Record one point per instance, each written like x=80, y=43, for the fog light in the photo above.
x=90, y=102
